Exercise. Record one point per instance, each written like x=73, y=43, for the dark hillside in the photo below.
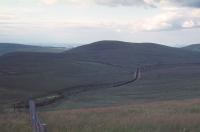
x=193, y=47
x=25, y=74
x=11, y=47
x=131, y=55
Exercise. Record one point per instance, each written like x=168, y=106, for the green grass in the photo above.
x=173, y=83
x=41, y=79
x=194, y=109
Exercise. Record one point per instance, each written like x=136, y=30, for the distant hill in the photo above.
x=193, y=47
x=131, y=55
x=11, y=47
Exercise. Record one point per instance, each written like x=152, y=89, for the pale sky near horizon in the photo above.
x=170, y=22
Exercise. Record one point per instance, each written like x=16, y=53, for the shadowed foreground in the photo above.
x=171, y=116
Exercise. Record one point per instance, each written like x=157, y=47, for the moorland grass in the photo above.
x=15, y=122
x=152, y=117
x=167, y=116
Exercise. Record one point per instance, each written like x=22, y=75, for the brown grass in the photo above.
x=169, y=116
x=15, y=122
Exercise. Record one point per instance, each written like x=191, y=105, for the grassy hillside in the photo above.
x=10, y=47
x=193, y=47
x=92, y=69
x=175, y=82
x=31, y=74
x=131, y=55
x=91, y=103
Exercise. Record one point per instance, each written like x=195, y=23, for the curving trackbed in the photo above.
x=137, y=76
x=81, y=88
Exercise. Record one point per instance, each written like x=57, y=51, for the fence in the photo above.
x=37, y=125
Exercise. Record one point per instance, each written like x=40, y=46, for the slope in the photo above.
x=132, y=55
x=10, y=47
x=23, y=75
x=87, y=67
x=193, y=47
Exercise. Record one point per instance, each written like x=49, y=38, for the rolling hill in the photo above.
x=193, y=47
x=34, y=74
x=10, y=47
x=131, y=55
x=93, y=69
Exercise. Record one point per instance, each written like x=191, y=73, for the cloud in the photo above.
x=171, y=20
x=111, y=3
x=165, y=20
x=114, y=3
x=125, y=2
x=49, y=2
x=186, y=3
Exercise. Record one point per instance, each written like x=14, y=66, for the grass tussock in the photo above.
x=171, y=116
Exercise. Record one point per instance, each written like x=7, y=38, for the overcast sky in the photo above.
x=170, y=22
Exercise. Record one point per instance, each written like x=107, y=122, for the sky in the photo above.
x=54, y=22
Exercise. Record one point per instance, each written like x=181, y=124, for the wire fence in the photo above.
x=37, y=125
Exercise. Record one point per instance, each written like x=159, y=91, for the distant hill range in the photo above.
x=193, y=47
x=11, y=47
x=26, y=74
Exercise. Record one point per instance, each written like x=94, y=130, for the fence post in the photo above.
x=44, y=126
x=36, y=123
x=33, y=114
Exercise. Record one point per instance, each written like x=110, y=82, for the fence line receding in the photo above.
x=37, y=125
